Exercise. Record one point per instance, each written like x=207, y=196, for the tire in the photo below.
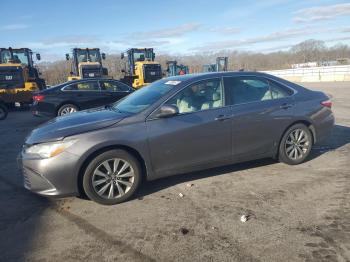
x=3, y=112
x=98, y=183
x=67, y=109
x=295, y=145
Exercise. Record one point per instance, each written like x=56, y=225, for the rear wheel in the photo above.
x=112, y=177
x=67, y=109
x=295, y=145
x=3, y=112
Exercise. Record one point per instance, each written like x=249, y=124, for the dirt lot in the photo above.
x=298, y=213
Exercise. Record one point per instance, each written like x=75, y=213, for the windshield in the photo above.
x=19, y=56
x=143, y=98
x=82, y=56
x=142, y=55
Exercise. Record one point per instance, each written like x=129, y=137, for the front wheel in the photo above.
x=112, y=177
x=295, y=145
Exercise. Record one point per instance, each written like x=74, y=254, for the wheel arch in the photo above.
x=307, y=123
x=68, y=102
x=99, y=151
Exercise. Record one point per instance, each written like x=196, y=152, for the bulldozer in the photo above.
x=86, y=63
x=219, y=66
x=140, y=68
x=173, y=69
x=19, y=78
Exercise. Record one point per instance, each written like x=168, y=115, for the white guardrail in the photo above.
x=314, y=74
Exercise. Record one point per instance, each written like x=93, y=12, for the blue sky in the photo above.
x=175, y=27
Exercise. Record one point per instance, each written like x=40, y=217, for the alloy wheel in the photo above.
x=297, y=144
x=113, y=178
x=68, y=110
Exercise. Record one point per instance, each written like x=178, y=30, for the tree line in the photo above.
x=307, y=51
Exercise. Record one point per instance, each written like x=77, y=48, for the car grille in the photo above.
x=152, y=72
x=91, y=72
x=11, y=77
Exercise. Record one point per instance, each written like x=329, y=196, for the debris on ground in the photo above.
x=244, y=218
x=181, y=195
x=189, y=185
x=184, y=230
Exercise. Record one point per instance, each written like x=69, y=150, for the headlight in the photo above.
x=46, y=150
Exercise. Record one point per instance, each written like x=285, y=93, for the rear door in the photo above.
x=114, y=90
x=85, y=94
x=199, y=134
x=260, y=109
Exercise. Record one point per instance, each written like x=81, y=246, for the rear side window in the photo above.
x=279, y=91
x=84, y=86
x=247, y=89
x=113, y=86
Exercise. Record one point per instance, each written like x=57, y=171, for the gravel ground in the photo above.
x=296, y=213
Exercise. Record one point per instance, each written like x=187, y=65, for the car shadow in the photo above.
x=340, y=137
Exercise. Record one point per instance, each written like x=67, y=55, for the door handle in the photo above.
x=222, y=117
x=286, y=106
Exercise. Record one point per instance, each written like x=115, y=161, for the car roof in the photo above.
x=89, y=79
x=216, y=74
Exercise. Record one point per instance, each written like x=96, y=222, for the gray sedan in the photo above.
x=175, y=125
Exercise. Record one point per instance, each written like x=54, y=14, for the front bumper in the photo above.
x=56, y=176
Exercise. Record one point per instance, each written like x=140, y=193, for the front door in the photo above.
x=200, y=133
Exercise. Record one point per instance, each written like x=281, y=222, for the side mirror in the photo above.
x=38, y=57
x=122, y=56
x=103, y=56
x=67, y=57
x=167, y=111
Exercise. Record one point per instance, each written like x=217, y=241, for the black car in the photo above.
x=78, y=95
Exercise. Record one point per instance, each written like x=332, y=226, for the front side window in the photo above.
x=85, y=86
x=112, y=86
x=204, y=95
x=247, y=89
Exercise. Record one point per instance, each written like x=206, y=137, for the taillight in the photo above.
x=38, y=98
x=327, y=103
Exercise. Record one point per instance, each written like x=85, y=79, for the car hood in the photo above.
x=76, y=123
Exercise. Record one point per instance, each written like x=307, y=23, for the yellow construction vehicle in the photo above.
x=19, y=78
x=141, y=69
x=86, y=63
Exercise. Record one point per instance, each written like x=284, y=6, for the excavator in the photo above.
x=19, y=78
x=140, y=67
x=173, y=69
x=220, y=65
x=86, y=63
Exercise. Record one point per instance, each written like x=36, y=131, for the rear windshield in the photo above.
x=144, y=97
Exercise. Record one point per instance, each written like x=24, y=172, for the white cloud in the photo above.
x=13, y=27
x=320, y=13
x=225, y=30
x=167, y=32
x=71, y=39
x=273, y=37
